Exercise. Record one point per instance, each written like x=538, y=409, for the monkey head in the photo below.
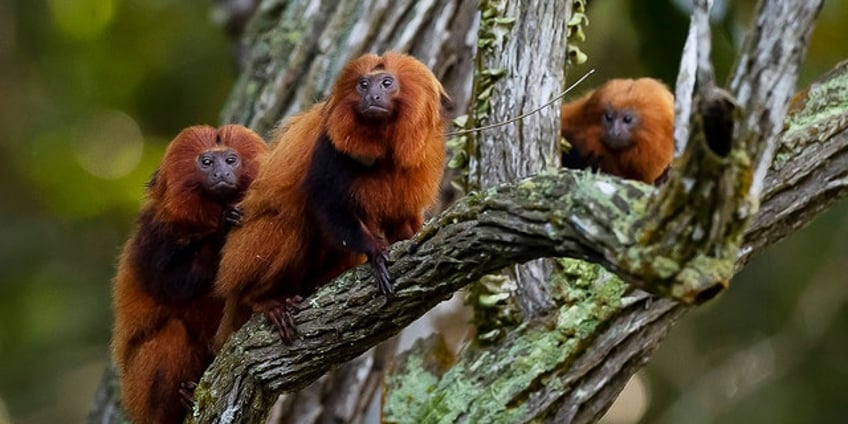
x=376, y=92
x=618, y=125
x=220, y=169
x=203, y=162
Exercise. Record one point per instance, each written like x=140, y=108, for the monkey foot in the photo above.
x=380, y=269
x=187, y=394
x=281, y=314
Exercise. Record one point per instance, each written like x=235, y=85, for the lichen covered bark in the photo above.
x=296, y=49
x=519, y=67
x=524, y=376
x=556, y=213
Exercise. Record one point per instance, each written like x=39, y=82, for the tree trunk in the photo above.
x=509, y=83
x=297, y=48
x=568, y=364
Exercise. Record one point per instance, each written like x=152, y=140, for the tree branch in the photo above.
x=508, y=83
x=765, y=75
x=593, y=217
x=565, y=213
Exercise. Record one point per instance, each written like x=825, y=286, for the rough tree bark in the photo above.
x=507, y=84
x=295, y=50
x=289, y=56
x=570, y=363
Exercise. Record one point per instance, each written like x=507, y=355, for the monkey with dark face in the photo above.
x=623, y=128
x=345, y=179
x=165, y=314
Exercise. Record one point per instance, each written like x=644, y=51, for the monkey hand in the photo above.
x=380, y=268
x=233, y=217
x=187, y=394
x=281, y=314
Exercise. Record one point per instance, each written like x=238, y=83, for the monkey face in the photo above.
x=219, y=169
x=376, y=96
x=618, y=126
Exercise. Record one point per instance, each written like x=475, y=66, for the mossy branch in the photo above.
x=602, y=219
x=564, y=213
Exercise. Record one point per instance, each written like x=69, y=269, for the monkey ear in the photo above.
x=329, y=103
x=152, y=181
x=447, y=105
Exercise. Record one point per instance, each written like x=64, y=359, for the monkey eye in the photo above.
x=387, y=82
x=231, y=160
x=628, y=118
x=363, y=83
x=608, y=116
x=205, y=161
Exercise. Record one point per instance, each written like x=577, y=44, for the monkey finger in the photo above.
x=290, y=326
x=276, y=319
x=233, y=216
x=381, y=273
x=288, y=314
x=187, y=394
x=282, y=318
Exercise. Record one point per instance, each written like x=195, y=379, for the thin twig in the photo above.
x=520, y=117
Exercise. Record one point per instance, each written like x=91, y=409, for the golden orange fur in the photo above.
x=165, y=315
x=652, y=148
x=282, y=250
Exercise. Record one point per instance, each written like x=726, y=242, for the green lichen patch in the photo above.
x=817, y=113
x=531, y=358
x=410, y=385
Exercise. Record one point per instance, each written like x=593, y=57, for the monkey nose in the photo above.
x=223, y=175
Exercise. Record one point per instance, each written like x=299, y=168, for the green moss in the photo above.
x=829, y=95
x=409, y=393
x=533, y=357
x=664, y=267
x=821, y=115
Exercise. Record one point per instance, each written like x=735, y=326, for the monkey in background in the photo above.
x=623, y=128
x=165, y=314
x=344, y=180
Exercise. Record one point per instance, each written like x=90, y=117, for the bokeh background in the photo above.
x=92, y=90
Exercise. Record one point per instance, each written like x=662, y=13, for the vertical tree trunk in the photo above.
x=568, y=365
x=297, y=48
x=520, y=66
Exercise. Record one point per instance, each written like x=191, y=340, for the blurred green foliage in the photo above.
x=92, y=90
x=90, y=93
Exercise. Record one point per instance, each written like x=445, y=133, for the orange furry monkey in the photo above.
x=623, y=128
x=165, y=314
x=344, y=180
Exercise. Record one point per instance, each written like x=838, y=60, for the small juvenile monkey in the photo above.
x=165, y=314
x=623, y=128
x=344, y=180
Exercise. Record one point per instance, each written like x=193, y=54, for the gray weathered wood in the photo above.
x=295, y=50
x=510, y=83
x=298, y=47
x=546, y=215
x=555, y=214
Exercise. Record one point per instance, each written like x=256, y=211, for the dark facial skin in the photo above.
x=376, y=92
x=618, y=125
x=221, y=169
